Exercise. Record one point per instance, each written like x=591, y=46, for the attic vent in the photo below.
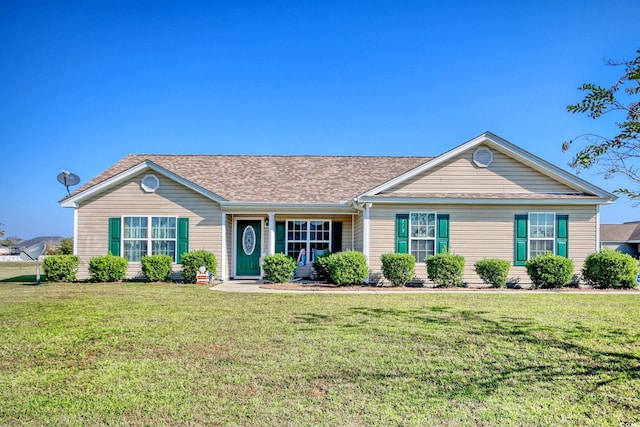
x=482, y=157
x=150, y=183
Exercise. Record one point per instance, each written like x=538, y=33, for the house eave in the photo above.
x=481, y=201
x=262, y=207
x=75, y=200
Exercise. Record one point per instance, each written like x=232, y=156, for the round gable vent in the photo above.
x=482, y=157
x=150, y=183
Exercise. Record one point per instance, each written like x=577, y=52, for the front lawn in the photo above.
x=166, y=354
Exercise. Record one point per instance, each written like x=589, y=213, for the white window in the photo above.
x=542, y=233
x=140, y=239
x=422, y=235
x=309, y=236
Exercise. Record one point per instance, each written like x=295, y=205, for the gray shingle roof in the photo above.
x=627, y=232
x=275, y=179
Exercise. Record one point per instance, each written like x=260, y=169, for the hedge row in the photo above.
x=111, y=268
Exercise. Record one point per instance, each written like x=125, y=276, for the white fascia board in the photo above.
x=482, y=201
x=75, y=200
x=501, y=145
x=286, y=208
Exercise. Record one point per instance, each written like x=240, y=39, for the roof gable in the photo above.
x=557, y=181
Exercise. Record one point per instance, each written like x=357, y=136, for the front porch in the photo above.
x=249, y=237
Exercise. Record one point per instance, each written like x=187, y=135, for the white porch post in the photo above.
x=272, y=234
x=365, y=230
x=223, y=249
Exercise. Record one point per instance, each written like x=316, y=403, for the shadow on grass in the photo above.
x=27, y=279
x=568, y=355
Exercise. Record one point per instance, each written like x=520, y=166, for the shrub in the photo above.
x=278, y=268
x=549, y=270
x=493, y=271
x=398, y=268
x=192, y=261
x=61, y=268
x=107, y=268
x=445, y=269
x=320, y=266
x=610, y=269
x=348, y=268
x=157, y=268
x=66, y=246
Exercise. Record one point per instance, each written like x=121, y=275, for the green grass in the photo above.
x=164, y=354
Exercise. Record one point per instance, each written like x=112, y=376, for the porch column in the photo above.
x=365, y=230
x=223, y=249
x=272, y=234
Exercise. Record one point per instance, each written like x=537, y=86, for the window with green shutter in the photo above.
x=422, y=234
x=133, y=237
x=540, y=232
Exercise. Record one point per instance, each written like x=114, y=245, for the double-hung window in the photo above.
x=422, y=234
x=149, y=235
x=309, y=236
x=542, y=233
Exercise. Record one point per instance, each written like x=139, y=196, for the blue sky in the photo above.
x=82, y=84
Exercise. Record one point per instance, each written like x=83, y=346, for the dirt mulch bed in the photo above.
x=321, y=286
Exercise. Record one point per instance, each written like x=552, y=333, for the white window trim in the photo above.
x=435, y=234
x=308, y=240
x=531, y=239
x=149, y=239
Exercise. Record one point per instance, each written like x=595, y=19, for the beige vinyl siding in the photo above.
x=358, y=232
x=483, y=231
x=126, y=199
x=461, y=175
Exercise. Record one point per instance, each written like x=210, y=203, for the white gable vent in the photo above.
x=150, y=183
x=482, y=157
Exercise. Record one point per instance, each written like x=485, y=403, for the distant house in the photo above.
x=624, y=238
x=484, y=198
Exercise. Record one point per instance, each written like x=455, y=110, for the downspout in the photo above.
x=364, y=208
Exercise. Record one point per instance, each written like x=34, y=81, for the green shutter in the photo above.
x=562, y=235
x=114, y=236
x=520, y=244
x=402, y=233
x=280, y=237
x=183, y=238
x=336, y=237
x=442, y=242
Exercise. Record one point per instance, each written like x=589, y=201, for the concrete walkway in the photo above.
x=247, y=286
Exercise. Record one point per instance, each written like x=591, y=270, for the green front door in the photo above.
x=248, y=238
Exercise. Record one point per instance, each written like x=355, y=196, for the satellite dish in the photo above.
x=33, y=252
x=68, y=179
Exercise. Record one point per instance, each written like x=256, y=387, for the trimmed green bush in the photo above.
x=157, y=268
x=107, y=268
x=192, y=261
x=320, y=266
x=348, y=268
x=66, y=246
x=398, y=268
x=278, y=268
x=610, y=269
x=549, y=270
x=61, y=268
x=445, y=269
x=493, y=271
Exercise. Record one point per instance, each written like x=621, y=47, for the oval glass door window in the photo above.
x=248, y=240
